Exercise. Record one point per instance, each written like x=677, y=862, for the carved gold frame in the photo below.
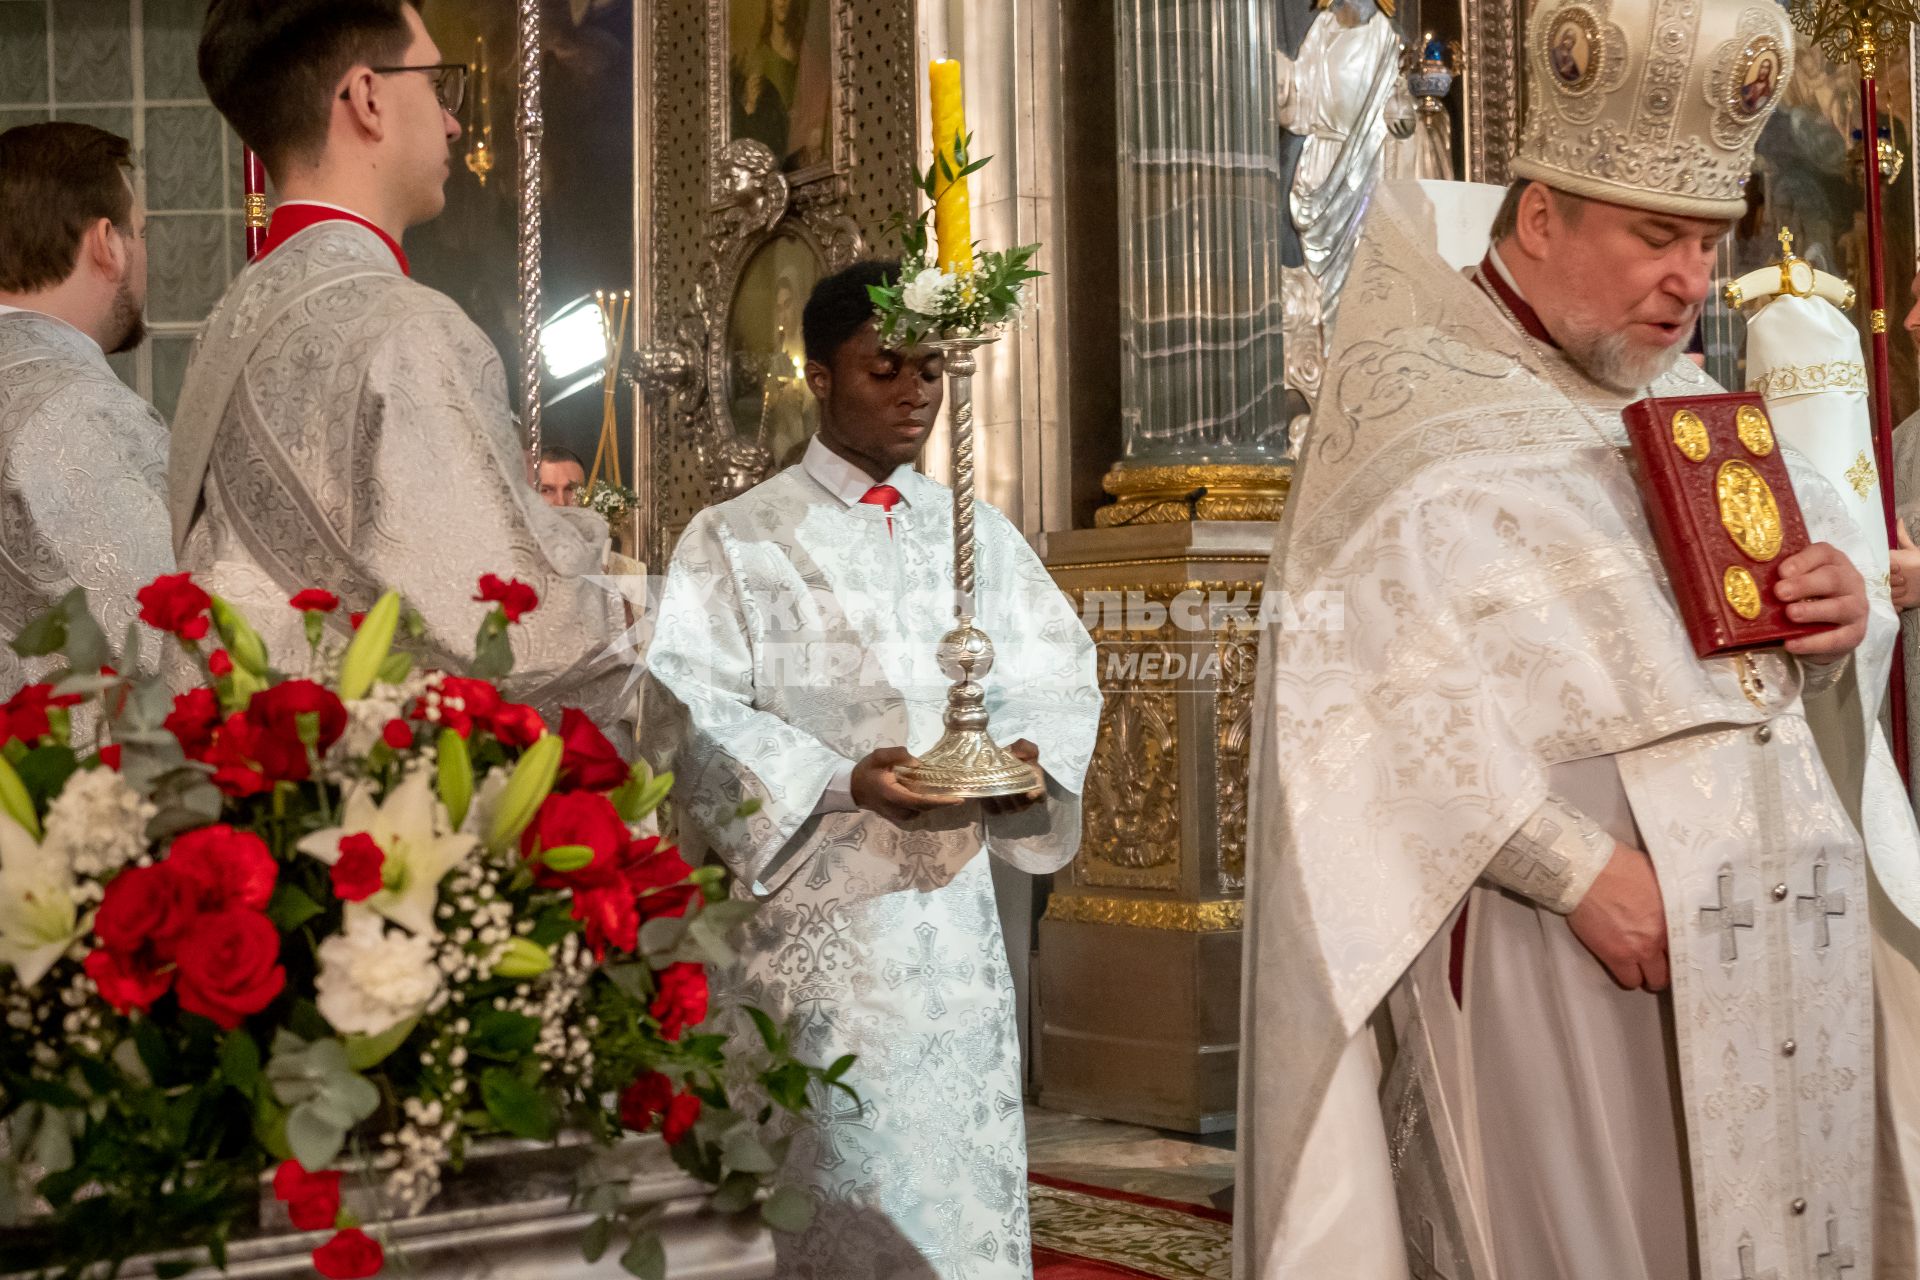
x=720, y=139
x=1495, y=82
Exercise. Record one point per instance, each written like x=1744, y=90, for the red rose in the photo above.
x=351, y=1255
x=126, y=982
x=681, y=1114
x=316, y=601
x=516, y=725
x=611, y=918
x=195, y=716
x=220, y=664
x=173, y=602
x=230, y=870
x=230, y=967
x=583, y=818
x=516, y=599
x=235, y=757
x=147, y=906
x=276, y=714
x=461, y=702
x=312, y=1199
x=24, y=715
x=659, y=877
x=397, y=735
x=356, y=876
x=588, y=761
x=644, y=1101
x=682, y=999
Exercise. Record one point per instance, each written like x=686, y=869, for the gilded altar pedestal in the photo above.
x=1139, y=953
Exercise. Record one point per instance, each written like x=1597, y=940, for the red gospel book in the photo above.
x=1723, y=515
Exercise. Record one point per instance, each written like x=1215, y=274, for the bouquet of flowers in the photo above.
x=337, y=926
x=614, y=502
x=980, y=293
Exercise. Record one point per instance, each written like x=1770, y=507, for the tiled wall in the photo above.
x=128, y=66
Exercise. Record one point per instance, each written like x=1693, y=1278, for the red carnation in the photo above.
x=682, y=999
x=659, y=877
x=312, y=1199
x=462, y=702
x=355, y=619
x=229, y=869
x=174, y=602
x=516, y=599
x=234, y=755
x=315, y=600
x=127, y=982
x=220, y=664
x=24, y=715
x=642, y=882
x=644, y=1101
x=147, y=908
x=397, y=735
x=229, y=968
x=357, y=875
x=681, y=1114
x=110, y=756
x=588, y=761
x=193, y=720
x=351, y=1255
x=516, y=725
x=276, y=715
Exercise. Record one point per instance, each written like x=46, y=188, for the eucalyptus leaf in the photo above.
x=313, y=1141
x=646, y=1257
x=788, y=1209
x=735, y=1193
x=743, y=1152
x=595, y=1239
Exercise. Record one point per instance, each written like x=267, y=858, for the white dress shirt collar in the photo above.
x=843, y=479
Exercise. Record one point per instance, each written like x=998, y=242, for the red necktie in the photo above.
x=883, y=496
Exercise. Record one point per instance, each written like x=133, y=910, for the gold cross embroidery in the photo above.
x=1861, y=474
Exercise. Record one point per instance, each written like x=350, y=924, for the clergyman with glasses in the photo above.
x=343, y=426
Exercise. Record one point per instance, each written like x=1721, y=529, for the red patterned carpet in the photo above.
x=1082, y=1232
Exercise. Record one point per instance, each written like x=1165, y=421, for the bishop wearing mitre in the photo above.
x=1558, y=960
x=343, y=426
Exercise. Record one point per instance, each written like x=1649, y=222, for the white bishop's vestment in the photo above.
x=83, y=469
x=346, y=428
x=1513, y=691
x=796, y=635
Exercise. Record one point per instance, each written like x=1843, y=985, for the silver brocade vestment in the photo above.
x=343, y=427
x=83, y=464
x=797, y=635
x=1470, y=495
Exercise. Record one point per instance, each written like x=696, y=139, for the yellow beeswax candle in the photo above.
x=952, y=212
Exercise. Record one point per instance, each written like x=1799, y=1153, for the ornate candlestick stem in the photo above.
x=966, y=761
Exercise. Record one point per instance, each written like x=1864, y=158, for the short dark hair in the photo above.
x=840, y=304
x=270, y=66
x=56, y=181
x=556, y=453
x=1507, y=220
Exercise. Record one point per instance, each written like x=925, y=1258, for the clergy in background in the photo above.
x=343, y=426
x=83, y=459
x=793, y=668
x=1648, y=1053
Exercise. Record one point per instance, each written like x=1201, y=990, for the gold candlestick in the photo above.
x=480, y=156
x=966, y=761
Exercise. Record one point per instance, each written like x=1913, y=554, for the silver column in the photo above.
x=1202, y=211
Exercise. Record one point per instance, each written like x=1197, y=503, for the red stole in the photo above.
x=290, y=219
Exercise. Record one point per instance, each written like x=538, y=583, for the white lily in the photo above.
x=38, y=917
x=411, y=829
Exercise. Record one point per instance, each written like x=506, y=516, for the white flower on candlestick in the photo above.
x=927, y=292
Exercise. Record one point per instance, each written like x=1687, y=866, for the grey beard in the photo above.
x=127, y=323
x=1612, y=361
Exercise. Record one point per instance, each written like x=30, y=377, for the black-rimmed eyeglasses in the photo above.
x=449, y=82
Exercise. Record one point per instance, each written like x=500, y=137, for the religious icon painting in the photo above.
x=1572, y=43
x=773, y=80
x=1758, y=78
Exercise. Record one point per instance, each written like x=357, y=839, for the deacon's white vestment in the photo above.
x=83, y=465
x=1511, y=693
x=797, y=634
x=346, y=428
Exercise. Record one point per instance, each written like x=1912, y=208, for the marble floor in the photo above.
x=1125, y=1157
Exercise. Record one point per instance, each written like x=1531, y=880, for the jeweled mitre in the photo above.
x=1655, y=104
